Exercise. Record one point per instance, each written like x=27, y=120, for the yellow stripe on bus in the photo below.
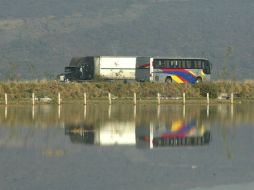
x=177, y=125
x=192, y=73
x=177, y=79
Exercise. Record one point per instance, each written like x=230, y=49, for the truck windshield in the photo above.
x=69, y=69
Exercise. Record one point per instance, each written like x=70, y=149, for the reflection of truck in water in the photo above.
x=81, y=133
x=111, y=133
x=179, y=133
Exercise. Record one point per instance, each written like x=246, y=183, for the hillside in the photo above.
x=38, y=38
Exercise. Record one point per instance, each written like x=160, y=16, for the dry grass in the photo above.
x=21, y=91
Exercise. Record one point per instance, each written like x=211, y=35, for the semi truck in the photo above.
x=106, y=68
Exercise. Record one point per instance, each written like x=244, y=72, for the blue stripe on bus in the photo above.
x=187, y=76
x=184, y=130
x=187, y=127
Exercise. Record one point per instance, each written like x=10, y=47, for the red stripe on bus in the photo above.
x=183, y=79
x=169, y=136
x=178, y=70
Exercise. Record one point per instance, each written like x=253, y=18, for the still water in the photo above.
x=127, y=147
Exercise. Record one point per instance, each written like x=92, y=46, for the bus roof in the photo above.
x=185, y=58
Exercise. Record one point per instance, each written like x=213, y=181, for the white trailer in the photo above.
x=115, y=67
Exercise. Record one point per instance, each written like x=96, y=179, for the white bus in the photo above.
x=178, y=70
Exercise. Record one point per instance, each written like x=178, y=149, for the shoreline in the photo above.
x=154, y=101
x=48, y=92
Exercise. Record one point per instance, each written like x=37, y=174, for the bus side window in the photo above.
x=155, y=64
x=202, y=64
x=199, y=64
x=192, y=65
x=183, y=64
x=167, y=63
x=179, y=64
x=195, y=64
x=188, y=64
x=175, y=64
x=171, y=64
x=163, y=64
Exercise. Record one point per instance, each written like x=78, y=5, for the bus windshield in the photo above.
x=207, y=69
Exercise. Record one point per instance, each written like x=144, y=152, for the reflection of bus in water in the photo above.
x=179, y=133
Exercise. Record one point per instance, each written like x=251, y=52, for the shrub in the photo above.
x=210, y=88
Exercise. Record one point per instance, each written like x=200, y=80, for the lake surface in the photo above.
x=127, y=147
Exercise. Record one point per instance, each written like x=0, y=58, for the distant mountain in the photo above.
x=38, y=38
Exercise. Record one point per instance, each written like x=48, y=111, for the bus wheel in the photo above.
x=199, y=80
x=168, y=80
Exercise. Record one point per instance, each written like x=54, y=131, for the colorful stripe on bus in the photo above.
x=182, y=130
x=181, y=75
